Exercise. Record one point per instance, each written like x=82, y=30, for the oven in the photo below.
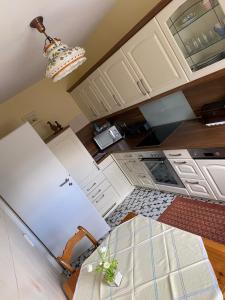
x=161, y=170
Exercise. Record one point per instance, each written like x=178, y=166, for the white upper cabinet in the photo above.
x=110, y=98
x=196, y=31
x=122, y=79
x=154, y=61
x=82, y=101
x=94, y=98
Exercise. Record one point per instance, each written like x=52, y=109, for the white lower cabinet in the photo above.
x=91, y=182
x=97, y=190
x=198, y=188
x=116, y=177
x=106, y=201
x=109, y=188
x=186, y=168
x=192, y=177
x=214, y=172
x=144, y=180
x=136, y=172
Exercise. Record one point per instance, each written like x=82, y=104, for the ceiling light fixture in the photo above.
x=62, y=60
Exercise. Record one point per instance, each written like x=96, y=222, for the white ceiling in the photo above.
x=21, y=59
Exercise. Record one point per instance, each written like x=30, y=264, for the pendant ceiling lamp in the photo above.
x=62, y=59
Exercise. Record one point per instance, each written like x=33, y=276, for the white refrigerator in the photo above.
x=41, y=192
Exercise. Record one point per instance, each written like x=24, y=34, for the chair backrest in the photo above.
x=68, y=250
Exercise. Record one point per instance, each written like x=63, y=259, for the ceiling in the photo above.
x=21, y=60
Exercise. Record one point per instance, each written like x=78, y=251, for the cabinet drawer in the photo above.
x=199, y=188
x=95, y=193
x=90, y=183
x=106, y=162
x=125, y=155
x=144, y=180
x=186, y=168
x=106, y=200
x=180, y=153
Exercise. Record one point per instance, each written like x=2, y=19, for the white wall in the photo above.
x=24, y=273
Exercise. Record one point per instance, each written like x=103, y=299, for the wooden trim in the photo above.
x=150, y=15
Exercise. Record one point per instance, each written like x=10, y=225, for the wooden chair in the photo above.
x=65, y=260
x=128, y=217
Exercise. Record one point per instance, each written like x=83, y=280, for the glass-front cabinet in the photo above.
x=196, y=32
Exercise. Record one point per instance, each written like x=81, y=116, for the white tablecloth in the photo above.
x=158, y=262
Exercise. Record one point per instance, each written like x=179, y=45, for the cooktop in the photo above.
x=158, y=134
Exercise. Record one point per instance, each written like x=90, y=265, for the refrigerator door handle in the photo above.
x=64, y=182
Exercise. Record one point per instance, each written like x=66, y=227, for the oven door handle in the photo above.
x=153, y=159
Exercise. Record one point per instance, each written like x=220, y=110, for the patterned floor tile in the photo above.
x=147, y=202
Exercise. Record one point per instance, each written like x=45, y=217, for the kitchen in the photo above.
x=145, y=123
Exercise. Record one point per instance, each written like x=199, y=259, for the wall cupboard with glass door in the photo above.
x=195, y=30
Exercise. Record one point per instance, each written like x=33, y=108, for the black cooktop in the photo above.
x=158, y=134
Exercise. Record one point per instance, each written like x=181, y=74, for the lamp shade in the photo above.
x=62, y=60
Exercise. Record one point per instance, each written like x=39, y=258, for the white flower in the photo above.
x=103, y=250
x=89, y=268
x=101, y=263
x=106, y=265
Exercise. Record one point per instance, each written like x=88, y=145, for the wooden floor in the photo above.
x=216, y=254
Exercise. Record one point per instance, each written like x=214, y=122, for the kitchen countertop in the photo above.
x=190, y=134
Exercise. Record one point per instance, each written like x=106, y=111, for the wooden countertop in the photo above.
x=189, y=135
x=194, y=134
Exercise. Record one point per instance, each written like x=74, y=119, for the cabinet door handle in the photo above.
x=103, y=104
x=99, y=191
x=92, y=110
x=180, y=162
x=129, y=170
x=96, y=165
x=97, y=201
x=132, y=161
x=193, y=182
x=144, y=86
x=117, y=102
x=91, y=186
x=141, y=88
x=128, y=155
x=175, y=155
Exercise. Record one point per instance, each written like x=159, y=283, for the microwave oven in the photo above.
x=107, y=137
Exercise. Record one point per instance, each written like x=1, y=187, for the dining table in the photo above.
x=157, y=262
